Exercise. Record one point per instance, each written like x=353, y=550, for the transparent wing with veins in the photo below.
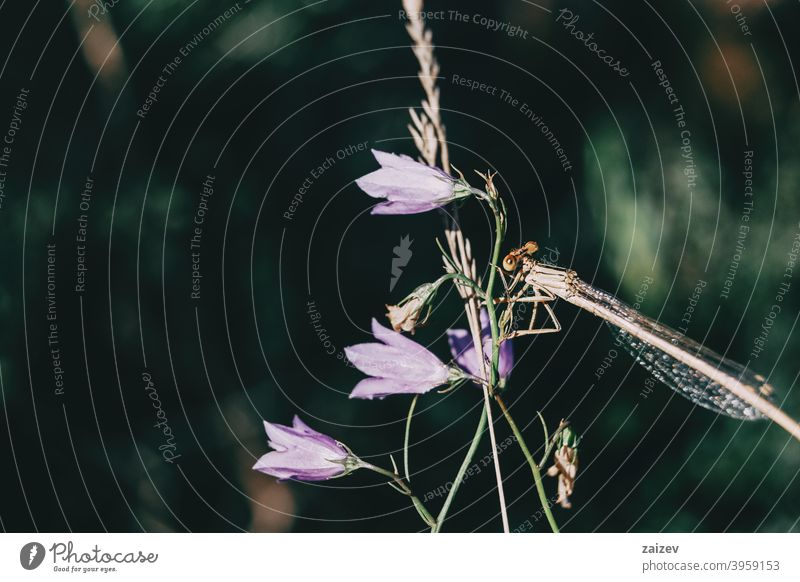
x=685, y=380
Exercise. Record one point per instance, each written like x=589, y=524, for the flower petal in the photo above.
x=298, y=424
x=486, y=329
x=410, y=186
x=506, y=361
x=398, y=365
x=398, y=340
x=387, y=160
x=288, y=466
x=287, y=439
x=301, y=426
x=463, y=350
x=398, y=207
x=303, y=453
x=370, y=388
x=402, y=185
x=394, y=339
x=408, y=164
x=281, y=437
x=384, y=361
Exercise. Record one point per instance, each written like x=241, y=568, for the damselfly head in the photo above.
x=511, y=260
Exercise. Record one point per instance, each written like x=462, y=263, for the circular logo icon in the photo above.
x=31, y=555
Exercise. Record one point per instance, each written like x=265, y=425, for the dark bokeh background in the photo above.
x=261, y=101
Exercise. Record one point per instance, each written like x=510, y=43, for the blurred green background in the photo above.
x=259, y=99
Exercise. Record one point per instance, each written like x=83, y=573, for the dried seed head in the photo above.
x=413, y=311
x=565, y=465
x=405, y=317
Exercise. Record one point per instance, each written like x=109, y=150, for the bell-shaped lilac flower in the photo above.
x=410, y=187
x=463, y=349
x=397, y=365
x=302, y=453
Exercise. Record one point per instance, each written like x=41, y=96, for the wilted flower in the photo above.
x=405, y=316
x=410, y=187
x=463, y=349
x=397, y=366
x=565, y=465
x=305, y=454
x=413, y=311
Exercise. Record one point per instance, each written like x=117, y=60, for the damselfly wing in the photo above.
x=689, y=368
x=684, y=379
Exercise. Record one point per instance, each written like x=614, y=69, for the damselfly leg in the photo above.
x=528, y=293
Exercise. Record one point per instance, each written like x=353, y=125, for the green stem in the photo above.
x=466, y=281
x=551, y=443
x=476, y=440
x=408, y=433
x=498, y=241
x=494, y=376
x=487, y=297
x=537, y=475
x=424, y=513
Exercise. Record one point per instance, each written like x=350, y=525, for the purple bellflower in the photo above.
x=463, y=349
x=397, y=365
x=302, y=453
x=410, y=187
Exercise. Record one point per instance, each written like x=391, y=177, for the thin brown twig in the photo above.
x=430, y=137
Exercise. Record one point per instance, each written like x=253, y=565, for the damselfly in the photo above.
x=691, y=369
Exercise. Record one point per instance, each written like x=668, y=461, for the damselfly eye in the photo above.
x=510, y=263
